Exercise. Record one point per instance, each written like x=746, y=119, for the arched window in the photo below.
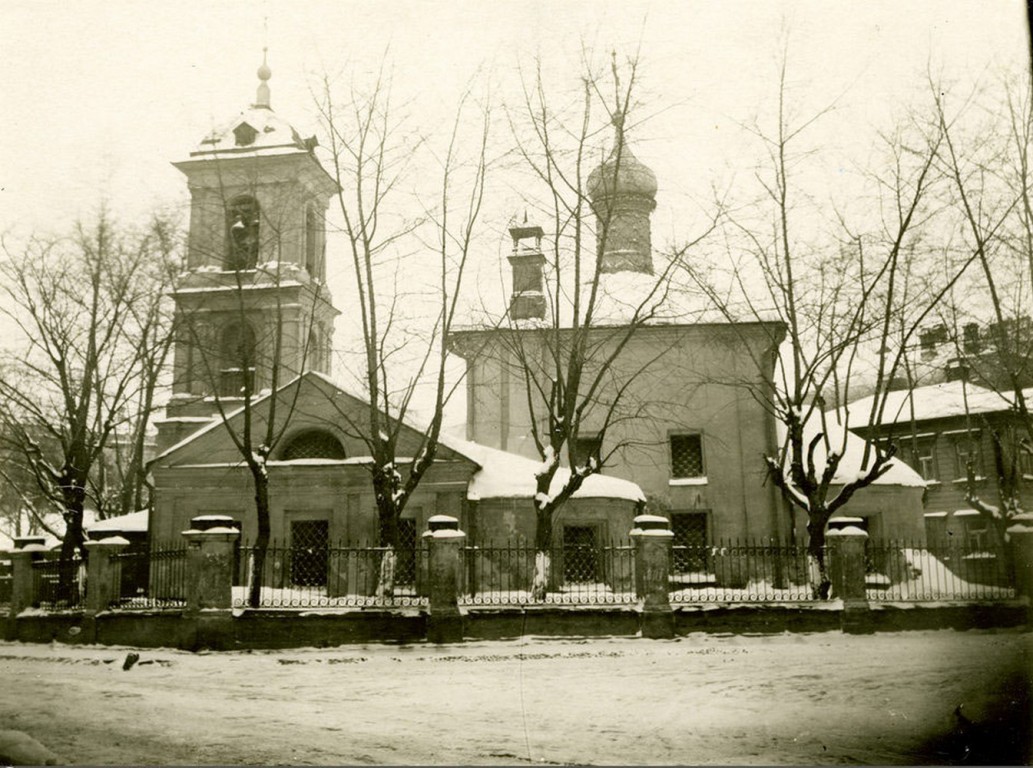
x=313, y=444
x=311, y=242
x=242, y=224
x=237, y=352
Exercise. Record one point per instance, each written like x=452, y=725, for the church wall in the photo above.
x=341, y=495
x=696, y=386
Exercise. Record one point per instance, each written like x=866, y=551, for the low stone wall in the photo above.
x=268, y=629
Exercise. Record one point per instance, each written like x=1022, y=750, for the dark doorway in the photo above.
x=309, y=542
x=580, y=554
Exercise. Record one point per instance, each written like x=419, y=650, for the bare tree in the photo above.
x=406, y=300
x=567, y=334
x=988, y=165
x=92, y=333
x=845, y=289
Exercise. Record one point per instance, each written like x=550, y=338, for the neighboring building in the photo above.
x=938, y=429
x=982, y=354
x=694, y=429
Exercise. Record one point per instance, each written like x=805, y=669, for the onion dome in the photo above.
x=621, y=174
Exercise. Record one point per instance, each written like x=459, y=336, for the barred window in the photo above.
x=687, y=455
x=967, y=449
x=314, y=444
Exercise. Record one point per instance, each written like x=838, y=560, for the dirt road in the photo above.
x=820, y=698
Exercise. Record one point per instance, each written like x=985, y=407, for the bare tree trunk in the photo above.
x=262, y=539
x=542, y=553
x=816, y=554
x=388, y=539
x=73, y=541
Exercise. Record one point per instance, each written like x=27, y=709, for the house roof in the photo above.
x=134, y=521
x=933, y=401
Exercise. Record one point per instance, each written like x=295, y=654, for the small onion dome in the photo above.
x=264, y=73
x=631, y=178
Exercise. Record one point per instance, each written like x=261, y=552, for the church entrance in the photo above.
x=310, y=540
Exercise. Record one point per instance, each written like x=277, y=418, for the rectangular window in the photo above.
x=687, y=456
x=966, y=449
x=1025, y=462
x=922, y=457
x=586, y=447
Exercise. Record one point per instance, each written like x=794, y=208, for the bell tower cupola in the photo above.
x=253, y=297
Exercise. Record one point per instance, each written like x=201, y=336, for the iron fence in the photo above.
x=149, y=579
x=903, y=571
x=6, y=583
x=578, y=574
x=737, y=571
x=58, y=585
x=333, y=576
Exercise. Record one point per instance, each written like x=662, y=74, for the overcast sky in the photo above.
x=99, y=97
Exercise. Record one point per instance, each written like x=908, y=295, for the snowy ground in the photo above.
x=804, y=698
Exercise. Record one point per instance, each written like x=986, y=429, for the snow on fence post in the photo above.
x=210, y=541
x=103, y=576
x=1020, y=537
x=847, y=573
x=445, y=540
x=653, y=539
x=26, y=551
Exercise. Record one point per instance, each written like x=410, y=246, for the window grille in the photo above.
x=687, y=455
x=314, y=444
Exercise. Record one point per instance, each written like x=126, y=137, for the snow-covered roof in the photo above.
x=850, y=466
x=507, y=475
x=255, y=131
x=135, y=521
x=933, y=401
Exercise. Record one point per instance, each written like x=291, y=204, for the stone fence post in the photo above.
x=847, y=573
x=210, y=566
x=653, y=539
x=1020, y=537
x=25, y=552
x=103, y=575
x=444, y=540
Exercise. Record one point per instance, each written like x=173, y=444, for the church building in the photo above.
x=255, y=323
